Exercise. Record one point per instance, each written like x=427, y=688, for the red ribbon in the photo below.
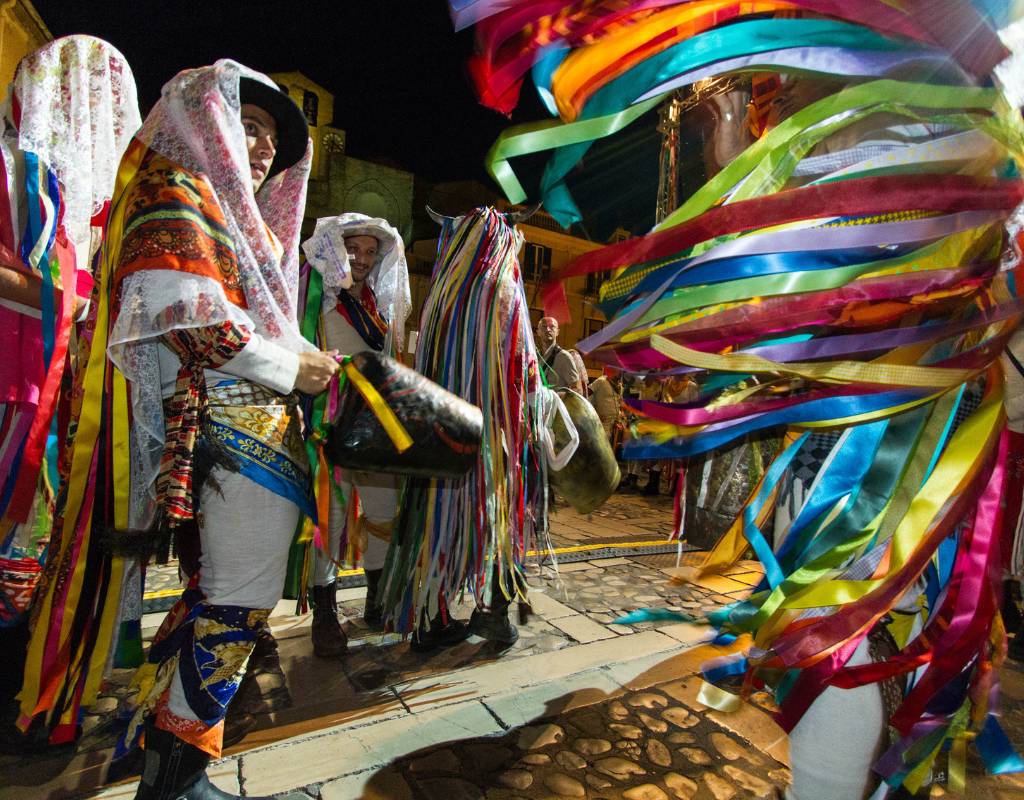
x=35, y=445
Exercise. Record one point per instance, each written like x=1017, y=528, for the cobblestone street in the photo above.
x=578, y=707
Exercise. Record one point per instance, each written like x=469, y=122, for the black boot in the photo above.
x=628, y=484
x=493, y=624
x=329, y=640
x=653, y=483
x=175, y=770
x=438, y=635
x=373, y=615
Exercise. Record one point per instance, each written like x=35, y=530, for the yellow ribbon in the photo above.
x=833, y=372
x=399, y=436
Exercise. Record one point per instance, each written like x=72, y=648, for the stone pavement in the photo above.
x=577, y=708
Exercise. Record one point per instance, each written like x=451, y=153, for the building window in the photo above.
x=536, y=261
x=310, y=107
x=595, y=279
x=592, y=326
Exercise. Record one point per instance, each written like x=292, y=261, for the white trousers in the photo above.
x=378, y=504
x=245, y=531
x=838, y=740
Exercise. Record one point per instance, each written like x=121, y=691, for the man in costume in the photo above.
x=473, y=532
x=200, y=282
x=365, y=280
x=560, y=368
x=858, y=260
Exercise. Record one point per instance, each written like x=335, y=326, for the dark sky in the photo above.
x=396, y=68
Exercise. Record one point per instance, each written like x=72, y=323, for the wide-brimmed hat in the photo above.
x=292, y=130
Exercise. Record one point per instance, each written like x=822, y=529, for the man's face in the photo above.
x=362, y=255
x=547, y=332
x=261, y=141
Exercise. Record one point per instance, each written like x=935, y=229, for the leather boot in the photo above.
x=653, y=485
x=329, y=640
x=175, y=770
x=493, y=624
x=439, y=635
x=373, y=614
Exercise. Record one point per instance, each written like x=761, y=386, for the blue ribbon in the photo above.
x=995, y=748
x=812, y=411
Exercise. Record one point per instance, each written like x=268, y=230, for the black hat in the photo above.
x=292, y=131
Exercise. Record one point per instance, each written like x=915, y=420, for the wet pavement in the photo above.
x=578, y=707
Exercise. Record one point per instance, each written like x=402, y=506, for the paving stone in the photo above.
x=653, y=723
x=727, y=747
x=682, y=787
x=629, y=749
x=680, y=717
x=563, y=785
x=449, y=789
x=305, y=761
x=438, y=761
x=537, y=736
x=695, y=755
x=548, y=607
x=385, y=784
x=658, y=754
x=535, y=759
x=681, y=737
x=591, y=723
x=646, y=791
x=525, y=706
x=647, y=700
x=516, y=779
x=720, y=789
x=619, y=768
x=582, y=629
x=611, y=562
x=745, y=780
x=627, y=731
x=617, y=711
x=597, y=781
x=592, y=747
x=569, y=760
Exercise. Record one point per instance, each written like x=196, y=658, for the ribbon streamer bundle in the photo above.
x=476, y=342
x=854, y=269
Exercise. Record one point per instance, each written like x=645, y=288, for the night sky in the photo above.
x=396, y=68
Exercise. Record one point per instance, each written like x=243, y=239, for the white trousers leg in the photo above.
x=838, y=740
x=245, y=531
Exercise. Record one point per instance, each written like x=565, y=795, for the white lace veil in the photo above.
x=197, y=125
x=78, y=112
x=389, y=278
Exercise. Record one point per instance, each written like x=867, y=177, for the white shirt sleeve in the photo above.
x=264, y=362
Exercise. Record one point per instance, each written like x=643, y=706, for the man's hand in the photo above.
x=315, y=371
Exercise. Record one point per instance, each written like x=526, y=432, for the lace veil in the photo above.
x=389, y=278
x=78, y=112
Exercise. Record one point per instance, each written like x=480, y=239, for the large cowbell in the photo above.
x=446, y=431
x=592, y=475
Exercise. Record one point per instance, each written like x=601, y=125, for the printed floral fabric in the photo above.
x=207, y=646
